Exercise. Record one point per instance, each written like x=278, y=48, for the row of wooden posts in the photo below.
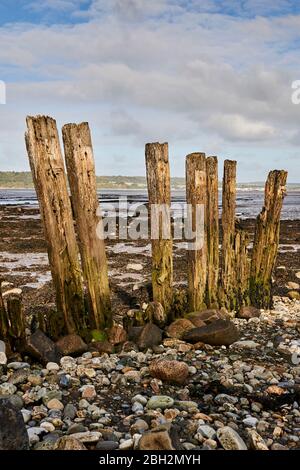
x=231, y=279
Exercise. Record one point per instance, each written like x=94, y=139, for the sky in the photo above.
x=211, y=76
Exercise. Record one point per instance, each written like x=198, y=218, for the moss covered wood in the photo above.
x=159, y=191
x=4, y=324
x=242, y=268
x=82, y=179
x=266, y=240
x=196, y=198
x=50, y=182
x=16, y=318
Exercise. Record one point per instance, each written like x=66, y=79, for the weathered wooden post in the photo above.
x=196, y=195
x=4, y=325
x=82, y=178
x=51, y=186
x=242, y=268
x=266, y=240
x=212, y=232
x=16, y=319
x=159, y=191
x=227, y=285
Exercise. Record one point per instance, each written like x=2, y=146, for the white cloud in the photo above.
x=199, y=78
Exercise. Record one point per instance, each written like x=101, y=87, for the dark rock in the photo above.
x=71, y=345
x=150, y=336
x=117, y=335
x=218, y=333
x=42, y=348
x=130, y=346
x=16, y=401
x=76, y=427
x=70, y=411
x=206, y=316
x=107, y=445
x=13, y=434
x=249, y=312
x=103, y=347
x=134, y=333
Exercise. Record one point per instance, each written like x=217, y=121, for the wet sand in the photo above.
x=24, y=261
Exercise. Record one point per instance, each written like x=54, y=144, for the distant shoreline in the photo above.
x=14, y=181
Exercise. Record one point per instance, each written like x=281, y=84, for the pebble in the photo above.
x=7, y=389
x=137, y=407
x=140, y=399
x=26, y=415
x=250, y=422
x=87, y=437
x=207, y=431
x=55, y=404
x=230, y=439
x=48, y=427
x=160, y=401
x=34, y=434
x=246, y=344
x=88, y=392
x=2, y=346
x=3, y=358
x=126, y=445
x=18, y=365
x=223, y=398
x=52, y=366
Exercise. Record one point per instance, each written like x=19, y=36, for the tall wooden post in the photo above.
x=212, y=232
x=82, y=178
x=227, y=296
x=266, y=240
x=197, y=250
x=242, y=268
x=159, y=191
x=51, y=186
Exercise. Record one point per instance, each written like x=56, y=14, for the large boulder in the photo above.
x=42, y=348
x=203, y=317
x=218, y=333
x=150, y=336
x=179, y=327
x=71, y=345
x=13, y=434
x=169, y=371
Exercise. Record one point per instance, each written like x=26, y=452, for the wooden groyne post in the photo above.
x=159, y=192
x=50, y=182
x=212, y=222
x=266, y=240
x=227, y=287
x=196, y=198
x=4, y=324
x=82, y=179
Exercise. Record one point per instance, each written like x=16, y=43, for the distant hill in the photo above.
x=23, y=180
